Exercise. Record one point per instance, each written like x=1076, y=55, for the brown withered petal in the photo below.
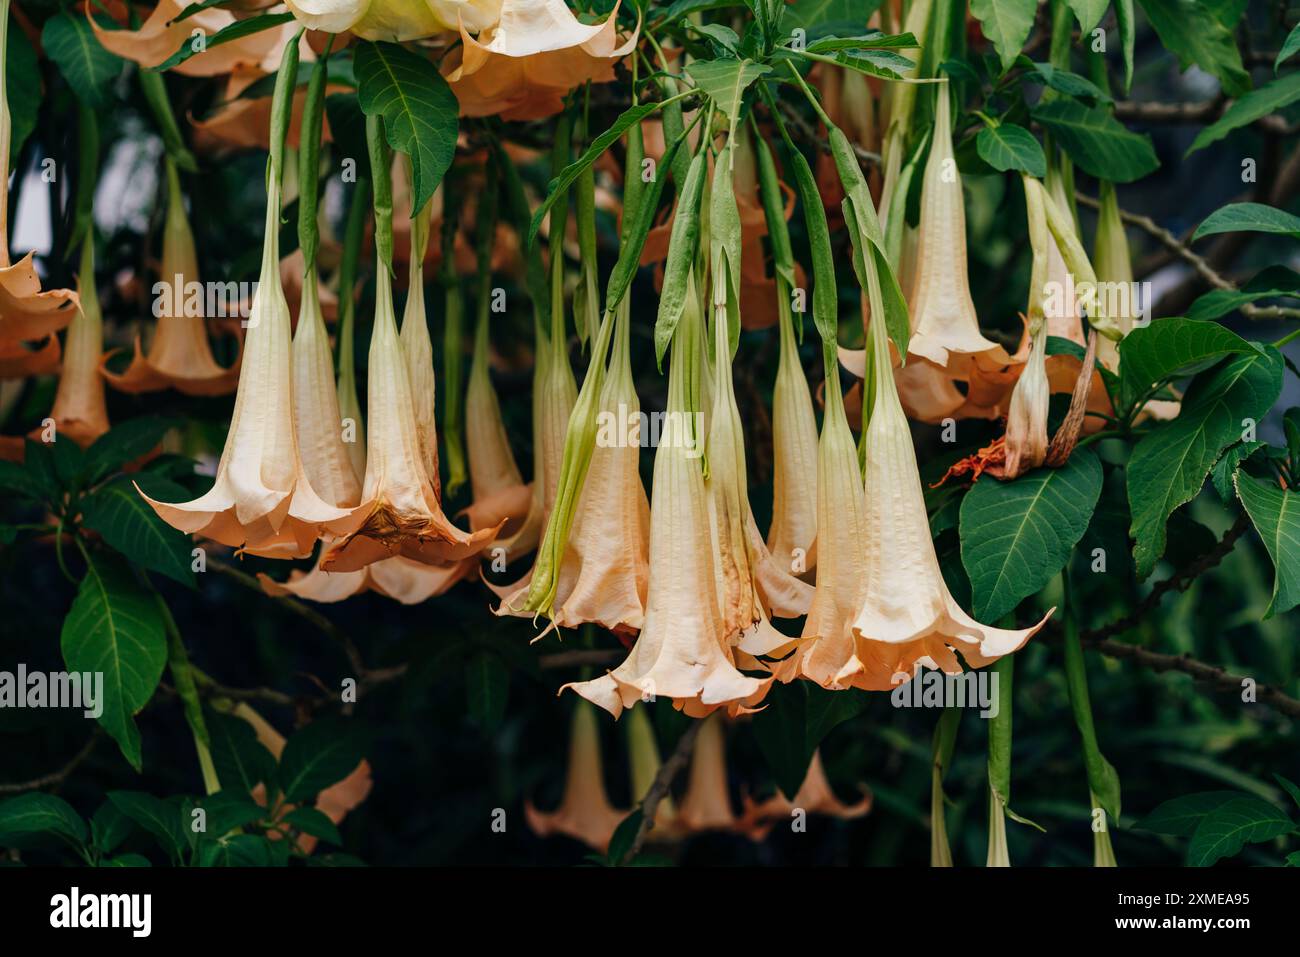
x=26, y=313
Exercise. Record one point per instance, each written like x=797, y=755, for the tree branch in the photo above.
x=658, y=789
x=56, y=777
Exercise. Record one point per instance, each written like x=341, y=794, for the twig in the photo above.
x=1189, y=113
x=1199, y=263
x=806, y=130
x=56, y=777
x=658, y=789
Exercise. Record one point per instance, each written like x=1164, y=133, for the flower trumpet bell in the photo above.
x=262, y=499
x=603, y=573
x=682, y=651
x=827, y=656
x=521, y=67
x=400, y=513
x=79, y=411
x=584, y=812
x=908, y=616
x=706, y=805
x=393, y=20
x=164, y=31
x=945, y=327
x=815, y=796
x=179, y=356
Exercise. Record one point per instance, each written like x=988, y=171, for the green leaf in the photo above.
x=89, y=69
x=1168, y=465
x=1225, y=470
x=487, y=687
x=1088, y=13
x=725, y=82
x=124, y=444
x=21, y=481
x=558, y=187
x=1190, y=30
x=1180, y=816
x=130, y=525
x=1270, y=98
x=157, y=817
x=797, y=719
x=321, y=754
x=238, y=850
x=23, y=85
x=1100, y=144
x=822, y=17
x=624, y=835
x=127, y=860
x=1249, y=218
x=1170, y=349
x=114, y=628
x=109, y=828
x=1275, y=513
x=228, y=810
x=868, y=41
x=881, y=63
x=1124, y=17
x=1290, y=787
x=1007, y=23
x=1220, y=302
x=1063, y=81
x=235, y=31
x=421, y=115
x=1011, y=147
x=682, y=246
x=1289, y=48
x=314, y=822
x=241, y=761
x=1016, y=536
x=31, y=819
x=1232, y=825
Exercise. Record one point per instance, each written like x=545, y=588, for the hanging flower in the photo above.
x=241, y=121
x=706, y=805
x=945, y=327
x=522, y=66
x=584, y=812
x=79, y=411
x=682, y=651
x=815, y=796
x=262, y=499
x=603, y=575
x=179, y=356
x=393, y=20
x=908, y=617
x=163, y=33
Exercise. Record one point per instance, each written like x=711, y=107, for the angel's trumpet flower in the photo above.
x=706, y=805
x=241, y=121
x=1112, y=261
x=602, y=577
x=79, y=411
x=521, y=67
x=394, y=20
x=794, y=425
x=682, y=651
x=827, y=655
x=179, y=356
x=164, y=32
x=584, y=812
x=815, y=796
x=400, y=513
x=945, y=327
x=262, y=498
x=418, y=347
x=495, y=480
x=908, y=616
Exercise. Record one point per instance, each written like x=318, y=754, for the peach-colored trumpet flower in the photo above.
x=945, y=326
x=908, y=616
x=400, y=511
x=815, y=796
x=162, y=34
x=179, y=355
x=584, y=812
x=682, y=652
x=79, y=410
x=827, y=656
x=706, y=805
x=417, y=347
x=604, y=570
x=393, y=20
x=241, y=121
x=522, y=66
x=17, y=361
x=262, y=499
